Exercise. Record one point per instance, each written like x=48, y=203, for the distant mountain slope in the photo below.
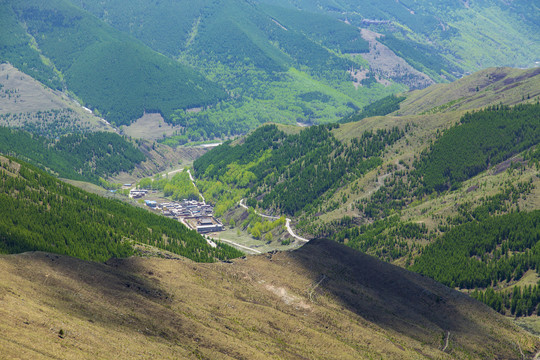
x=443, y=36
x=279, y=65
x=487, y=87
x=109, y=71
x=26, y=104
x=321, y=301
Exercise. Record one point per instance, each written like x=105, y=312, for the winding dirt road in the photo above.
x=287, y=222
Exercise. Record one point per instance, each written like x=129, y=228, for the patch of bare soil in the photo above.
x=161, y=158
x=385, y=64
x=358, y=76
x=150, y=127
x=499, y=168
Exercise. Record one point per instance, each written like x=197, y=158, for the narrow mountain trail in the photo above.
x=446, y=343
x=193, y=182
x=172, y=172
x=287, y=222
x=247, y=248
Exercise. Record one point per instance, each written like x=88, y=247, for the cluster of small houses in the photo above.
x=197, y=215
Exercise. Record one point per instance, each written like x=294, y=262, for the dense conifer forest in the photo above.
x=483, y=253
x=77, y=156
x=380, y=107
x=481, y=139
x=111, y=73
x=290, y=173
x=41, y=213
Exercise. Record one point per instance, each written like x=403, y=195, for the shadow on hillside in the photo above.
x=389, y=296
x=118, y=293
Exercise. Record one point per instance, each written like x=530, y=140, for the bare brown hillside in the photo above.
x=28, y=104
x=323, y=301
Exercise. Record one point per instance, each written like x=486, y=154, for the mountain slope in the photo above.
x=283, y=305
x=26, y=104
x=393, y=185
x=442, y=37
x=40, y=212
x=318, y=170
x=278, y=64
x=109, y=71
x=487, y=87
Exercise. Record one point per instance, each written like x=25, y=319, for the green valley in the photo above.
x=269, y=179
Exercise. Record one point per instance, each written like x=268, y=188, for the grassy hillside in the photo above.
x=321, y=301
x=491, y=86
x=41, y=213
x=109, y=71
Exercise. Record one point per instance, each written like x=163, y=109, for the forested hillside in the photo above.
x=421, y=194
x=380, y=107
x=86, y=157
x=279, y=65
x=109, y=71
x=489, y=254
x=273, y=60
x=292, y=173
x=481, y=139
x=41, y=213
x=443, y=37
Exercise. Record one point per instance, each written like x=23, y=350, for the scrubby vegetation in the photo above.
x=49, y=123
